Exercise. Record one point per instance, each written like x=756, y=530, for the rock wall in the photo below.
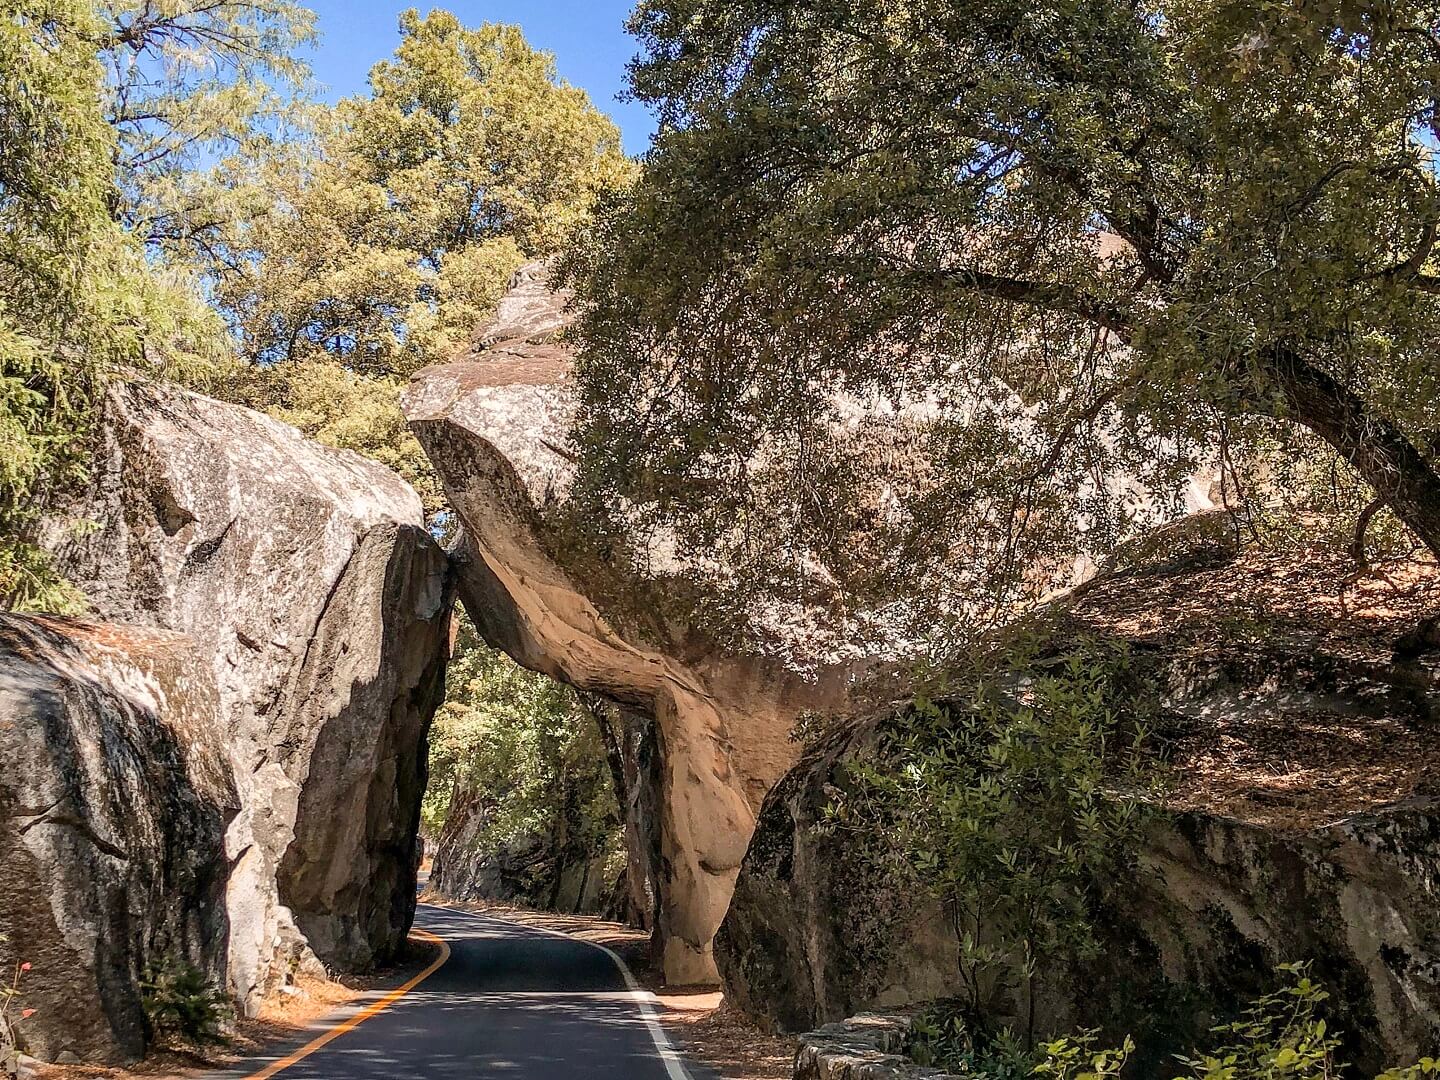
x=494, y=425
x=320, y=604
x=812, y=938
x=1304, y=824
x=115, y=791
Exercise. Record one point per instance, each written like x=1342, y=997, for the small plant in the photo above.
x=1076, y=1058
x=1425, y=1067
x=9, y=1009
x=940, y=1037
x=1281, y=1036
x=179, y=1001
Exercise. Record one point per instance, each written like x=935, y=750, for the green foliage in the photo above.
x=940, y=1037
x=179, y=1001
x=1419, y=1071
x=78, y=301
x=394, y=234
x=1281, y=1036
x=186, y=80
x=1076, y=1058
x=1016, y=802
x=905, y=285
x=526, y=748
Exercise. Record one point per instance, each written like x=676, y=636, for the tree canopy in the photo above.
x=910, y=290
x=188, y=81
x=395, y=233
x=77, y=298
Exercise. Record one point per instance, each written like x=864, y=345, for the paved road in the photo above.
x=512, y=1003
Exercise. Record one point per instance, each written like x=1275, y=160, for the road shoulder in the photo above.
x=287, y=1021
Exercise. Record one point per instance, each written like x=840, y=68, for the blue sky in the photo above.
x=587, y=37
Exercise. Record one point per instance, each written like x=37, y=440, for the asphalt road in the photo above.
x=512, y=1003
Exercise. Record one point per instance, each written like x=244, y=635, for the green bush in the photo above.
x=941, y=1038
x=1281, y=1036
x=179, y=1001
x=1016, y=802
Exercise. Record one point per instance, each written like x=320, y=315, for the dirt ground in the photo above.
x=706, y=1029
x=282, y=1018
x=1281, y=636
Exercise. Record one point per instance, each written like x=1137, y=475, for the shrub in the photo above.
x=1016, y=803
x=1281, y=1036
x=180, y=1001
x=940, y=1037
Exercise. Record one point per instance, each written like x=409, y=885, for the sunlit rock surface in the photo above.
x=320, y=606
x=1303, y=824
x=494, y=424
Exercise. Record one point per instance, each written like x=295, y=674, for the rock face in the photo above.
x=115, y=791
x=1304, y=825
x=313, y=593
x=870, y=1046
x=494, y=425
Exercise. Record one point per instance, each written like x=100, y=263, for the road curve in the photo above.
x=513, y=1003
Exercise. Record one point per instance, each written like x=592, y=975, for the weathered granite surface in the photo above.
x=115, y=792
x=320, y=604
x=494, y=425
x=870, y=1046
x=1304, y=825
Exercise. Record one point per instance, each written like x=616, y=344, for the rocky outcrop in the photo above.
x=115, y=792
x=494, y=424
x=319, y=604
x=1304, y=825
x=870, y=1046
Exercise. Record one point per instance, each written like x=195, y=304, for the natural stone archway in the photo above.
x=494, y=425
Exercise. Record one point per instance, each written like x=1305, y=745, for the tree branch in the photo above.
x=1052, y=296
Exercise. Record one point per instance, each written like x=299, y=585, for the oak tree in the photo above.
x=909, y=284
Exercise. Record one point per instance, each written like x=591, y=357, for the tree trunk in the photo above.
x=1377, y=450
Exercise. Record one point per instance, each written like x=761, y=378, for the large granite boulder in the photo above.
x=494, y=423
x=115, y=792
x=1304, y=825
x=320, y=604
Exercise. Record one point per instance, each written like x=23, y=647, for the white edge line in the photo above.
x=644, y=999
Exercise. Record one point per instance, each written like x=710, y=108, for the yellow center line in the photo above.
x=360, y=1017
